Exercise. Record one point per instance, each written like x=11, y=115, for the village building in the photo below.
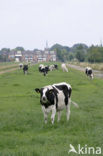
x=32, y=56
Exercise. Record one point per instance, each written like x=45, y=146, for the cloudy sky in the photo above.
x=30, y=23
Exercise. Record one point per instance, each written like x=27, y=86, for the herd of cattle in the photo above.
x=46, y=68
x=55, y=97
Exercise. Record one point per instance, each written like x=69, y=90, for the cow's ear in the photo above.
x=37, y=90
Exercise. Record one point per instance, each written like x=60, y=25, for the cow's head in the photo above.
x=91, y=76
x=47, y=94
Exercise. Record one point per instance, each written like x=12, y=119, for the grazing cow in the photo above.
x=25, y=69
x=89, y=72
x=21, y=65
x=51, y=67
x=43, y=69
x=55, y=66
x=54, y=98
x=41, y=66
x=47, y=69
x=64, y=67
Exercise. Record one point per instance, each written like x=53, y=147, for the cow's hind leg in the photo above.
x=53, y=114
x=68, y=110
x=59, y=115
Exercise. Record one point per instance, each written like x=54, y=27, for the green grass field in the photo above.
x=22, y=128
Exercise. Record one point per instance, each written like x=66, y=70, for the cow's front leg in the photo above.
x=68, y=111
x=45, y=114
x=53, y=114
x=45, y=117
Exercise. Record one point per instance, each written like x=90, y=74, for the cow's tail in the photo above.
x=75, y=104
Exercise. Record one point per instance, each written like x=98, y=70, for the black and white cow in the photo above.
x=55, y=66
x=25, y=69
x=89, y=72
x=20, y=65
x=43, y=69
x=51, y=67
x=54, y=98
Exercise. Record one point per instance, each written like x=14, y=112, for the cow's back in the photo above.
x=64, y=93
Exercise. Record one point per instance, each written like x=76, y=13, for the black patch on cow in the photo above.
x=88, y=71
x=55, y=66
x=56, y=92
x=25, y=68
x=66, y=91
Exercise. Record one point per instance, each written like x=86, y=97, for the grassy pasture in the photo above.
x=22, y=129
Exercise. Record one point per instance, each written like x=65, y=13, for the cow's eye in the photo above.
x=50, y=91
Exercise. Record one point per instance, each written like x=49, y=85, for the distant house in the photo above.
x=11, y=56
x=33, y=56
x=18, y=56
x=45, y=56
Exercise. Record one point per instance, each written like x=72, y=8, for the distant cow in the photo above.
x=43, y=69
x=89, y=72
x=20, y=65
x=64, y=67
x=55, y=66
x=47, y=69
x=51, y=67
x=25, y=69
x=54, y=98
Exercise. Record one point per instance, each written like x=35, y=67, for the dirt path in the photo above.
x=97, y=73
x=9, y=70
x=8, y=66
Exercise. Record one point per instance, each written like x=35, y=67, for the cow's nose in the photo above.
x=44, y=98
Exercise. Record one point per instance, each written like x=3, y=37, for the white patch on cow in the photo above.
x=51, y=67
x=61, y=100
x=88, y=68
x=41, y=66
x=44, y=98
x=44, y=92
x=49, y=87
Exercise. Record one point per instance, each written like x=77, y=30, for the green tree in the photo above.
x=80, y=56
x=95, y=54
x=7, y=50
x=71, y=56
x=19, y=49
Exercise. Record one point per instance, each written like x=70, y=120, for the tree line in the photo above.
x=78, y=52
